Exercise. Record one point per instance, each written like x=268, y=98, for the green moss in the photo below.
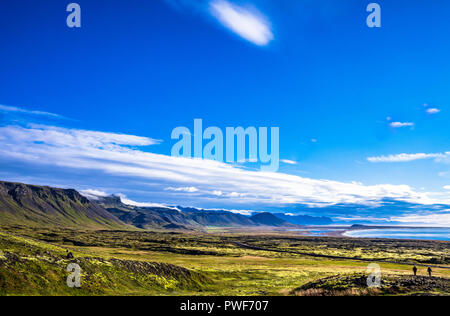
x=33, y=261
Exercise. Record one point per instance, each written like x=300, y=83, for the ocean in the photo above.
x=403, y=233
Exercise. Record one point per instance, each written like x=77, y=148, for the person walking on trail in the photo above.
x=429, y=271
x=415, y=270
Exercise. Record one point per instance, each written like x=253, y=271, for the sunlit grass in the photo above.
x=223, y=267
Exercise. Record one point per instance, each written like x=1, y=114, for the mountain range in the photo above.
x=184, y=218
x=32, y=205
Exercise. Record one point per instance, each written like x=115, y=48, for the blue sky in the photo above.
x=362, y=112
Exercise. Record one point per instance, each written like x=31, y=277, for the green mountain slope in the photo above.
x=31, y=267
x=269, y=219
x=22, y=204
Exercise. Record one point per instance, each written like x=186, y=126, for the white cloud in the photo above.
x=6, y=108
x=249, y=24
x=434, y=220
x=183, y=189
x=401, y=124
x=361, y=218
x=289, y=162
x=127, y=201
x=114, y=155
x=446, y=187
x=235, y=194
x=242, y=212
x=93, y=194
x=74, y=138
x=408, y=157
x=433, y=111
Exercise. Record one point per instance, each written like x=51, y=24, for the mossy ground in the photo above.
x=356, y=285
x=124, y=262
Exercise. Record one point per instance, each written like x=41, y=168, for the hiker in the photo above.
x=415, y=270
x=429, y=271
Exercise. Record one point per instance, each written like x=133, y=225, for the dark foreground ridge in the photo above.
x=30, y=267
x=356, y=284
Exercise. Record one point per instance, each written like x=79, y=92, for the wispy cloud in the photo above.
x=183, y=189
x=60, y=137
x=401, y=124
x=128, y=201
x=441, y=219
x=114, y=156
x=14, y=109
x=93, y=194
x=408, y=157
x=247, y=23
x=433, y=111
x=289, y=162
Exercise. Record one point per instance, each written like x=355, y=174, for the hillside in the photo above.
x=35, y=206
x=31, y=267
x=268, y=219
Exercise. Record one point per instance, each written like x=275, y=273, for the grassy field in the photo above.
x=34, y=261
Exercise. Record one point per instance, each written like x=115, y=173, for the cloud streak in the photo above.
x=116, y=155
x=248, y=24
x=13, y=109
x=183, y=189
x=401, y=124
x=433, y=111
x=289, y=162
x=408, y=157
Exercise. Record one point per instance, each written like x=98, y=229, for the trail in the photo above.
x=242, y=245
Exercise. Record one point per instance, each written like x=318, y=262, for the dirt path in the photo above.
x=242, y=245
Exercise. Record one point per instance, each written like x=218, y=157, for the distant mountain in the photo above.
x=144, y=217
x=183, y=217
x=304, y=219
x=44, y=206
x=269, y=219
x=219, y=218
x=216, y=217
